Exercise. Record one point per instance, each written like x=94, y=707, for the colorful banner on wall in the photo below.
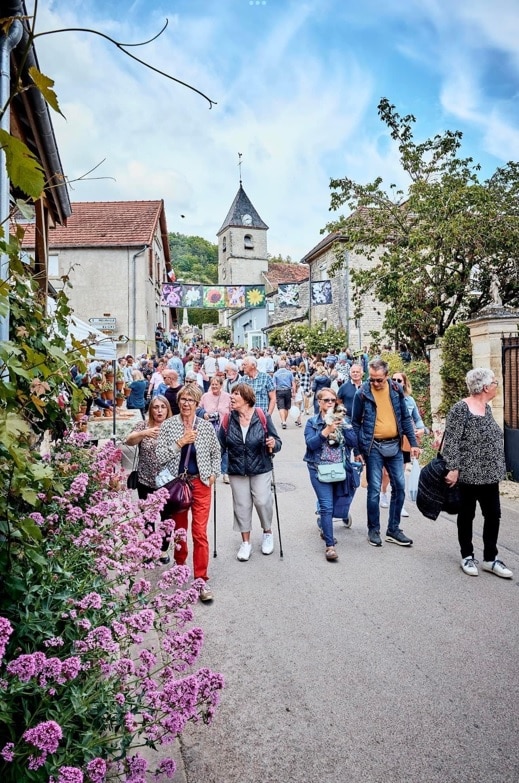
x=321, y=292
x=215, y=297
x=288, y=295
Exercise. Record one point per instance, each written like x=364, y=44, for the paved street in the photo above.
x=390, y=665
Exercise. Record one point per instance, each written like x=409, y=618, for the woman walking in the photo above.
x=250, y=438
x=326, y=444
x=144, y=436
x=473, y=449
x=188, y=444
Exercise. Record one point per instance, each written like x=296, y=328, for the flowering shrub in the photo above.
x=81, y=686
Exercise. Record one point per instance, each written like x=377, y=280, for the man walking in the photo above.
x=348, y=389
x=285, y=390
x=261, y=383
x=380, y=418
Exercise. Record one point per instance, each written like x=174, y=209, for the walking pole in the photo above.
x=277, y=509
x=215, y=553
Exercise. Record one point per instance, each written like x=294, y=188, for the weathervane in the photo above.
x=239, y=164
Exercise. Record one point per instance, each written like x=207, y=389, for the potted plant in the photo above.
x=119, y=398
x=97, y=413
x=108, y=391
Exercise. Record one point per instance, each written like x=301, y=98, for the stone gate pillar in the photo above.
x=486, y=330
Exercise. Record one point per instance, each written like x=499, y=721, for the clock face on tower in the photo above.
x=246, y=220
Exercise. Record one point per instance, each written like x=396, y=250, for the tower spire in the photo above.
x=239, y=165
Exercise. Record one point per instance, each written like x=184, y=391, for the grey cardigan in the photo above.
x=208, y=453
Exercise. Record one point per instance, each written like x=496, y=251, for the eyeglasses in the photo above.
x=399, y=380
x=187, y=401
x=327, y=399
x=377, y=380
x=494, y=383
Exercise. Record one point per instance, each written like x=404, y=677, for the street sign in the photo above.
x=102, y=323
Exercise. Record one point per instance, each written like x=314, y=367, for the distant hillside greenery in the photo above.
x=194, y=260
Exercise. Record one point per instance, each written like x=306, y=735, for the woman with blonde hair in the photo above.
x=144, y=436
x=188, y=445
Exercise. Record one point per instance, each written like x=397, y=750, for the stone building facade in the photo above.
x=341, y=312
x=116, y=255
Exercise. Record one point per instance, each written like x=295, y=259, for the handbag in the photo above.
x=180, y=491
x=132, y=481
x=330, y=472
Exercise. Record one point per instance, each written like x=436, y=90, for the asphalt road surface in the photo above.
x=389, y=665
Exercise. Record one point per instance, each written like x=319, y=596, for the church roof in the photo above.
x=242, y=205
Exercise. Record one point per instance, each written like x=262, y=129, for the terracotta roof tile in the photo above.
x=286, y=273
x=105, y=224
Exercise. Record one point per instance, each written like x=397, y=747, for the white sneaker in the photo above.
x=468, y=566
x=267, y=545
x=498, y=568
x=225, y=478
x=384, y=500
x=244, y=551
x=404, y=512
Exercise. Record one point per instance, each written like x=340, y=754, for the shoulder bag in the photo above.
x=133, y=477
x=180, y=490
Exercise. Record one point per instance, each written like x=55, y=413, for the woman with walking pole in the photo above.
x=249, y=436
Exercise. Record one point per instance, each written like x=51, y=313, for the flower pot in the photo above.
x=107, y=413
x=119, y=385
x=108, y=395
x=97, y=414
x=119, y=401
x=127, y=391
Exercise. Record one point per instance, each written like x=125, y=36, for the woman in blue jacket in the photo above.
x=320, y=380
x=137, y=398
x=319, y=451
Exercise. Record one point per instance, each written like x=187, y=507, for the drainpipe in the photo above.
x=7, y=44
x=134, y=297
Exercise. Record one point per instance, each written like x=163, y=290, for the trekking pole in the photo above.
x=215, y=553
x=277, y=509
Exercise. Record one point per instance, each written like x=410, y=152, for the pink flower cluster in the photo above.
x=36, y=665
x=6, y=630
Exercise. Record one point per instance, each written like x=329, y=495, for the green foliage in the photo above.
x=223, y=335
x=23, y=168
x=418, y=374
x=35, y=381
x=435, y=247
x=198, y=316
x=456, y=351
x=194, y=260
x=315, y=339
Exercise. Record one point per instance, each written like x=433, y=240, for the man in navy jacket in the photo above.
x=380, y=418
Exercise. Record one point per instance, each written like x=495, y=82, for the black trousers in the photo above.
x=487, y=495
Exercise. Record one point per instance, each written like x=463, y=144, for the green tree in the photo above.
x=456, y=351
x=194, y=259
x=436, y=247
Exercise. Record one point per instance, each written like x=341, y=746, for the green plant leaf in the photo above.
x=44, y=85
x=22, y=167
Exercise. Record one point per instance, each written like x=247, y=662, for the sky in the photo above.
x=296, y=85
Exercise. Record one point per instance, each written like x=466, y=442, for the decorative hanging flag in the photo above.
x=288, y=295
x=321, y=292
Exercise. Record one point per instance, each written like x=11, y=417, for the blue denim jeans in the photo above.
x=324, y=493
x=395, y=468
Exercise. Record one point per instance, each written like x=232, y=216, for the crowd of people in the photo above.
x=208, y=412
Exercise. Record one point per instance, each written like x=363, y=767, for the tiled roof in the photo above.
x=242, y=205
x=106, y=224
x=286, y=273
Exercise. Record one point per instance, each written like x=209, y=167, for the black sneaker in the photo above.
x=374, y=538
x=397, y=537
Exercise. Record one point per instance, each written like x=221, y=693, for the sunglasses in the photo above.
x=400, y=380
x=327, y=399
x=377, y=380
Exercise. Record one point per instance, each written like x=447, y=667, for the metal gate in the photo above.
x=510, y=365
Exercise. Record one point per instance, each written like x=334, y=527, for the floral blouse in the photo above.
x=148, y=465
x=474, y=445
